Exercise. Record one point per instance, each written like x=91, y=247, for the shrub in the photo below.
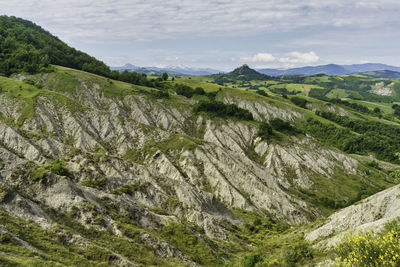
x=199, y=91
x=374, y=164
x=395, y=175
x=281, y=125
x=98, y=183
x=184, y=90
x=58, y=167
x=29, y=81
x=298, y=254
x=262, y=92
x=264, y=131
x=369, y=249
x=301, y=102
x=41, y=173
x=252, y=260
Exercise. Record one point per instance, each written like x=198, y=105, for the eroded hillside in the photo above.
x=124, y=175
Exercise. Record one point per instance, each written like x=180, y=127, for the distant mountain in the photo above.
x=330, y=69
x=187, y=70
x=387, y=74
x=125, y=67
x=177, y=70
x=245, y=73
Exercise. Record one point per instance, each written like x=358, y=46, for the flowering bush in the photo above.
x=370, y=249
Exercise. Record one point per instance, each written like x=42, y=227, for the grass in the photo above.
x=179, y=142
x=198, y=81
x=294, y=87
x=341, y=190
x=385, y=108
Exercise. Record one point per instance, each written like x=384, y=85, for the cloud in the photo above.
x=149, y=20
x=147, y=31
x=260, y=57
x=292, y=57
x=298, y=57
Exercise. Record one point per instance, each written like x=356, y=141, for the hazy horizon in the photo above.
x=222, y=34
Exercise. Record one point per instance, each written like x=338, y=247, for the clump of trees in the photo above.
x=221, y=109
x=189, y=92
x=264, y=131
x=298, y=101
x=380, y=138
x=283, y=91
x=262, y=92
x=282, y=126
x=184, y=90
x=396, y=109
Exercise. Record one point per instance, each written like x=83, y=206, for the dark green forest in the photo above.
x=26, y=47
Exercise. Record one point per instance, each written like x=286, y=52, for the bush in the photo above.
x=298, y=254
x=252, y=260
x=58, y=167
x=184, y=90
x=374, y=164
x=281, y=125
x=301, y=102
x=199, y=91
x=98, y=183
x=369, y=249
x=42, y=173
x=395, y=175
x=262, y=92
x=264, y=131
x=29, y=81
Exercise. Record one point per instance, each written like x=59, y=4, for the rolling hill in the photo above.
x=387, y=74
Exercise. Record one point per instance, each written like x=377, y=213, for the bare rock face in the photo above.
x=372, y=213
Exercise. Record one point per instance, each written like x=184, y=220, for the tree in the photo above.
x=377, y=110
x=264, y=131
x=165, y=76
x=199, y=91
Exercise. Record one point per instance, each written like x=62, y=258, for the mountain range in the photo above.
x=330, y=69
x=175, y=70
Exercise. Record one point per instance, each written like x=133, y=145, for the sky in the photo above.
x=222, y=34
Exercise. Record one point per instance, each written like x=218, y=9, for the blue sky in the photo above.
x=222, y=34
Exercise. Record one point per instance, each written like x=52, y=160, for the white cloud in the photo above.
x=298, y=57
x=260, y=57
x=294, y=57
x=147, y=31
x=133, y=20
